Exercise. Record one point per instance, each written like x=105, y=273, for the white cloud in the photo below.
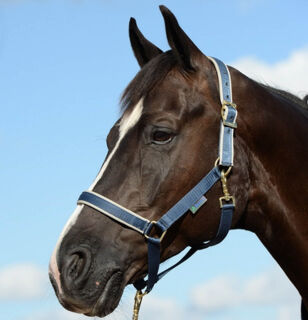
x=57, y=314
x=248, y=5
x=289, y=74
x=217, y=298
x=154, y=308
x=218, y=295
x=268, y=288
x=22, y=282
x=289, y=312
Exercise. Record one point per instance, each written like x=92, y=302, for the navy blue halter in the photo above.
x=192, y=201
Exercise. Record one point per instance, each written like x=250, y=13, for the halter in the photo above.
x=192, y=201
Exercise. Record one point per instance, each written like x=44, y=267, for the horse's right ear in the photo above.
x=144, y=50
x=184, y=49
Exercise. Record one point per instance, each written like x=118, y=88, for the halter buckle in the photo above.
x=229, y=124
x=228, y=103
x=224, y=109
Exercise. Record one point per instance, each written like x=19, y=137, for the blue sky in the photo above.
x=63, y=66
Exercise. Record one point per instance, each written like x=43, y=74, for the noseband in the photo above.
x=192, y=201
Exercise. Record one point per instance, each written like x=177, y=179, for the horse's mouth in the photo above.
x=109, y=297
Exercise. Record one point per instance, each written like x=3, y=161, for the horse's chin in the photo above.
x=98, y=303
x=109, y=297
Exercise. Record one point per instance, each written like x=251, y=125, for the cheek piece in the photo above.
x=192, y=200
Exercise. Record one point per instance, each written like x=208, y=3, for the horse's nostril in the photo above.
x=76, y=267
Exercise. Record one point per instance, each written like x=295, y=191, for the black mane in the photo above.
x=289, y=96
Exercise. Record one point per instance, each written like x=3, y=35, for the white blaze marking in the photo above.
x=128, y=121
x=53, y=266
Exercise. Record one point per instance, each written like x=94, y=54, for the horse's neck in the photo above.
x=276, y=134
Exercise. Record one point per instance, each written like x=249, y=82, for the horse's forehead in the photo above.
x=167, y=96
x=174, y=96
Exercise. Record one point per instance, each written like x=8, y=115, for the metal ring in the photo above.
x=227, y=171
x=216, y=162
x=162, y=235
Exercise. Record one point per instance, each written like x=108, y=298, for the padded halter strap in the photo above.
x=228, y=114
x=114, y=211
x=192, y=201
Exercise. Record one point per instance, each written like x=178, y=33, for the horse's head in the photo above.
x=164, y=142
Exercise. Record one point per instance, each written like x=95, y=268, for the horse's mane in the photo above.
x=158, y=68
x=288, y=96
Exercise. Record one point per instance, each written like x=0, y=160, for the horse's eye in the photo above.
x=161, y=137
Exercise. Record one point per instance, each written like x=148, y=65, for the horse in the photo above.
x=164, y=142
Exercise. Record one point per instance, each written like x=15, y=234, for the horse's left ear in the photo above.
x=144, y=50
x=186, y=51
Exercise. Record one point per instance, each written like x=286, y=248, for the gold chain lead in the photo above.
x=138, y=299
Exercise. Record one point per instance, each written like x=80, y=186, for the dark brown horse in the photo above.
x=164, y=142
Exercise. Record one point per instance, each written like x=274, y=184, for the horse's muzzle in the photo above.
x=82, y=287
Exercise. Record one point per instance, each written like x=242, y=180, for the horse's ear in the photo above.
x=186, y=51
x=144, y=50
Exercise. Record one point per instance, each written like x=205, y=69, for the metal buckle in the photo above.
x=229, y=124
x=153, y=223
x=226, y=199
x=223, y=114
x=228, y=103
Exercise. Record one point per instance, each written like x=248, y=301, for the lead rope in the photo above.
x=138, y=299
